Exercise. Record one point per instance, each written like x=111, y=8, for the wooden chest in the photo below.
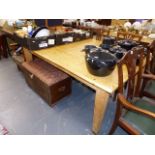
x=18, y=59
x=46, y=80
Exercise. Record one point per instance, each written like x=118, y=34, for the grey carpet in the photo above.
x=22, y=111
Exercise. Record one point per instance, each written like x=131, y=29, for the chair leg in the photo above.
x=5, y=47
x=142, y=87
x=116, y=120
x=18, y=68
x=115, y=95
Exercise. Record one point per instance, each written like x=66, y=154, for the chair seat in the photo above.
x=144, y=124
x=150, y=87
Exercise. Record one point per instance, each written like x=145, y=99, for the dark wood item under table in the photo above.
x=46, y=80
x=3, y=46
x=18, y=59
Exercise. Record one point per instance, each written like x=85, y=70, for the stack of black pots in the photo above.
x=101, y=60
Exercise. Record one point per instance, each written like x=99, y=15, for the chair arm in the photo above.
x=148, y=71
x=149, y=76
x=132, y=107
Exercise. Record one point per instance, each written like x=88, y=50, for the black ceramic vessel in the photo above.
x=100, y=63
x=127, y=44
x=107, y=42
x=89, y=48
x=118, y=51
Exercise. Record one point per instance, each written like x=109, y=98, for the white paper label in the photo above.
x=68, y=39
x=51, y=41
x=43, y=45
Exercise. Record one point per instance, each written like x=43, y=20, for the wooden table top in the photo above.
x=71, y=60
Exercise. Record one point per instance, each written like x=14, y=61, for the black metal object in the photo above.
x=127, y=44
x=36, y=43
x=118, y=51
x=50, y=22
x=100, y=62
x=54, y=39
x=64, y=38
x=82, y=36
x=89, y=48
x=107, y=42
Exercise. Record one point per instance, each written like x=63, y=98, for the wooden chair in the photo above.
x=152, y=63
x=129, y=35
x=135, y=115
x=101, y=32
x=148, y=87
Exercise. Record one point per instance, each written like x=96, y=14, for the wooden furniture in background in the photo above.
x=118, y=22
x=136, y=116
x=129, y=35
x=3, y=46
x=106, y=22
x=101, y=32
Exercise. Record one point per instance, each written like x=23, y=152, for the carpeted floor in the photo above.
x=22, y=111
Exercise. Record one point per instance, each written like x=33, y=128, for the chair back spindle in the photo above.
x=129, y=36
x=130, y=60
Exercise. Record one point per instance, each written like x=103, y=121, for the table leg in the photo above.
x=101, y=101
x=27, y=55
